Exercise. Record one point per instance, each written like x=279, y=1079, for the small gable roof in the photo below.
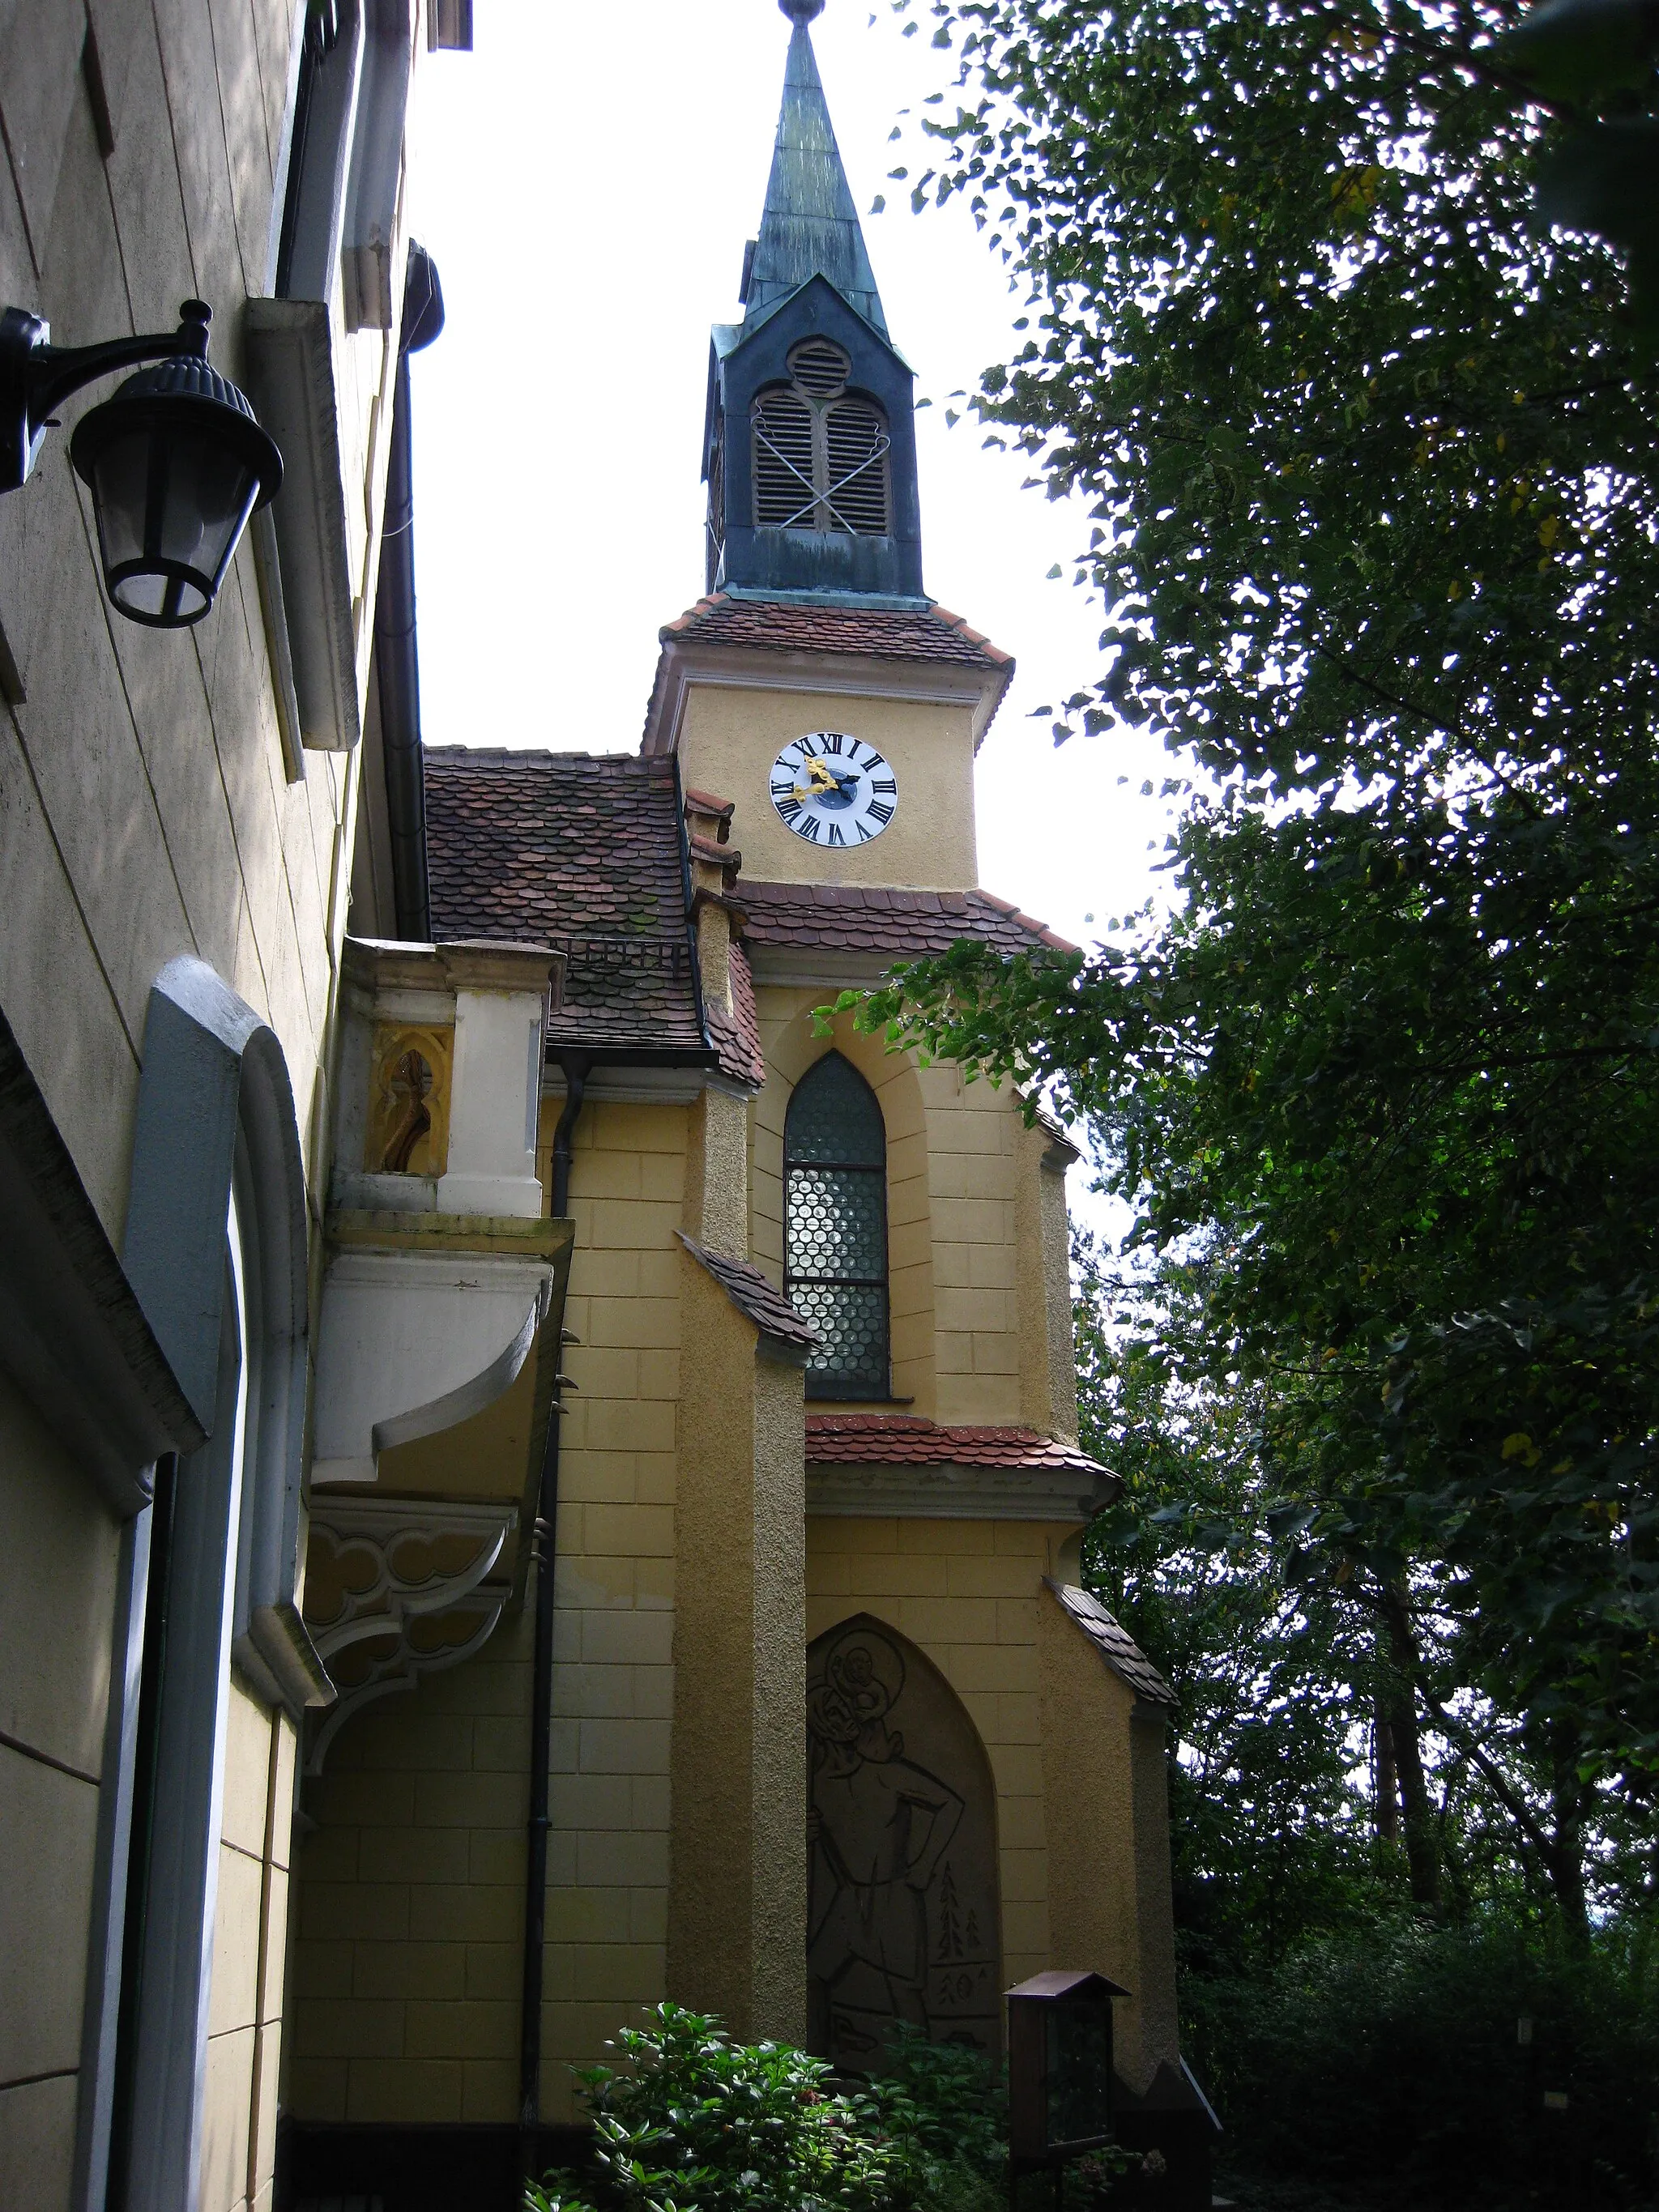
x=1114, y=1644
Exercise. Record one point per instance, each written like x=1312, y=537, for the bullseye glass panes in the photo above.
x=834, y=1149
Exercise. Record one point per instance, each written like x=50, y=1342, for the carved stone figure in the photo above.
x=901, y=1922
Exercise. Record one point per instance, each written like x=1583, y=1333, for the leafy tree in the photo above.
x=1373, y=463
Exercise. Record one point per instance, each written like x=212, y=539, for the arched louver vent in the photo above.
x=819, y=368
x=855, y=442
x=820, y=465
x=785, y=491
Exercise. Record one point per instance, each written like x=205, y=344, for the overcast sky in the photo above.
x=585, y=180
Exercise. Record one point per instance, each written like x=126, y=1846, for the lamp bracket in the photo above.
x=36, y=377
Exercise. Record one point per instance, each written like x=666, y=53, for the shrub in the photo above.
x=696, y=2119
x=1394, y=2057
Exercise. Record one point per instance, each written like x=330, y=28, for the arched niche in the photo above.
x=790, y=1052
x=903, y=1913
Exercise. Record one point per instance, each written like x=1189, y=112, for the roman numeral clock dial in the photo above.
x=833, y=791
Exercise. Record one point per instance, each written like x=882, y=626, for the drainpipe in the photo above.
x=397, y=663
x=543, y=1557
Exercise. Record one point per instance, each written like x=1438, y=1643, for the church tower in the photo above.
x=816, y=684
x=758, y=1674
x=811, y=458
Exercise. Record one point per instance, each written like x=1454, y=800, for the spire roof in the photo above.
x=810, y=227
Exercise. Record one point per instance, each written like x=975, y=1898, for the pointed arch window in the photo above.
x=820, y=452
x=834, y=1178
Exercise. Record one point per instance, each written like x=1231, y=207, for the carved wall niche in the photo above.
x=903, y=1919
x=409, y=1091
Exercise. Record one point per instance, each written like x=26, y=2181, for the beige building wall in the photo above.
x=406, y=1966
x=731, y=734
x=148, y=809
x=1104, y=1771
x=57, y=1573
x=244, y=2016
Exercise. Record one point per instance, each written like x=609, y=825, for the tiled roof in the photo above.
x=908, y=924
x=908, y=1440
x=755, y=1296
x=931, y=633
x=737, y=1034
x=580, y=850
x=1115, y=1645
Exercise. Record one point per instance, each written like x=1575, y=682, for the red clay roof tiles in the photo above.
x=909, y=923
x=882, y=633
x=754, y=1295
x=909, y=1440
x=1114, y=1644
x=580, y=850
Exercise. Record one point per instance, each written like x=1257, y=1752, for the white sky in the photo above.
x=585, y=180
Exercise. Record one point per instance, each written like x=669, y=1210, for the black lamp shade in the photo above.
x=176, y=462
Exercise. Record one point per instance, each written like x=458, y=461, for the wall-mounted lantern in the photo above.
x=1060, y=2067
x=176, y=461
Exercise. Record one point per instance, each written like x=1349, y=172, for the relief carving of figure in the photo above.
x=879, y=1825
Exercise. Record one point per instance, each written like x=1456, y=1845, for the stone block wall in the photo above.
x=410, y=1872
x=613, y=1684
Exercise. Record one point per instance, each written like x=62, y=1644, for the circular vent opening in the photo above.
x=818, y=366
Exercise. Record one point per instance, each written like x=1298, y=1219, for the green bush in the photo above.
x=1393, y=2058
x=693, y=2119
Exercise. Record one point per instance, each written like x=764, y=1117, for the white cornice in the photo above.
x=685, y=663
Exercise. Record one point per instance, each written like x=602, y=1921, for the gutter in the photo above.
x=577, y=1067
x=396, y=658
x=543, y=1559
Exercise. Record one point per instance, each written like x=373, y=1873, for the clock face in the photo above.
x=833, y=791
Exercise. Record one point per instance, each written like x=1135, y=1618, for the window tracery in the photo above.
x=834, y=1173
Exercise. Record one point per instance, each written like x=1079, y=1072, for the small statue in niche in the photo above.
x=408, y=1085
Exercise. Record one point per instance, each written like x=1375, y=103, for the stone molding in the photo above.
x=374, y=1534
x=951, y=1490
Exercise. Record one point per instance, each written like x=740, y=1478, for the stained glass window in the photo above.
x=834, y=1178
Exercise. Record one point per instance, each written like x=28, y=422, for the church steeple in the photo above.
x=810, y=445
x=810, y=226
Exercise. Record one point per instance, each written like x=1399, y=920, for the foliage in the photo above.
x=1271, y=1836
x=1396, y=2057
x=1373, y=462
x=692, y=2118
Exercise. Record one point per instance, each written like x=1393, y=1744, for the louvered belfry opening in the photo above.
x=820, y=452
x=835, y=1177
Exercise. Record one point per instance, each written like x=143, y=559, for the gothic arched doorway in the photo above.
x=902, y=1917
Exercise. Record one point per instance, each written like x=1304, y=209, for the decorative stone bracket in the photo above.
x=413, y=1340
x=397, y=1588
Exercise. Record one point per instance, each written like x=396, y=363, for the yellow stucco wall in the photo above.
x=1105, y=1779
x=406, y=1966
x=738, y=1848
x=731, y=734
x=411, y=1918
x=979, y=1304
